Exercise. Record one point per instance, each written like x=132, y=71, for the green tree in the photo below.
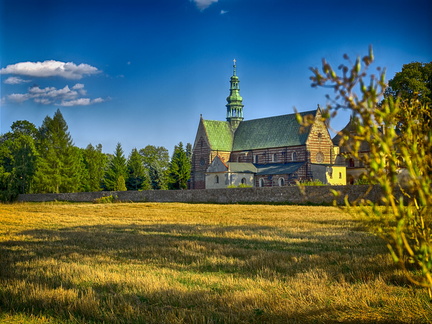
x=138, y=177
x=180, y=168
x=156, y=161
x=95, y=164
x=18, y=157
x=117, y=171
x=60, y=162
x=404, y=222
x=413, y=82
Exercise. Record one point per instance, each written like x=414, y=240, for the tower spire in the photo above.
x=235, y=101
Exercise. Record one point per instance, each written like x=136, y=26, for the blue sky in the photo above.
x=142, y=72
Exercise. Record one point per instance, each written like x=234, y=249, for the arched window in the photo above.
x=256, y=158
x=281, y=182
x=261, y=182
x=216, y=179
x=294, y=156
x=243, y=181
x=274, y=157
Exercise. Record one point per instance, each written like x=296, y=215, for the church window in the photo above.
x=274, y=157
x=261, y=182
x=202, y=161
x=294, y=156
x=216, y=179
x=256, y=158
x=243, y=180
x=281, y=182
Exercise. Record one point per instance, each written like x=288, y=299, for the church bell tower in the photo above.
x=235, y=101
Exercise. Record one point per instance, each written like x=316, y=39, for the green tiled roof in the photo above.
x=278, y=168
x=275, y=131
x=219, y=135
x=242, y=167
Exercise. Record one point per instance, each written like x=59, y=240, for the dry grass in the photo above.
x=182, y=263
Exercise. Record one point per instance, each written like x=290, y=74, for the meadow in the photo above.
x=197, y=263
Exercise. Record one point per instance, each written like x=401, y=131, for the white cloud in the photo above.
x=223, y=12
x=18, y=97
x=80, y=88
x=50, y=68
x=66, y=96
x=15, y=80
x=81, y=102
x=203, y=4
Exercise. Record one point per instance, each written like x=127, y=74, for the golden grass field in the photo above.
x=197, y=263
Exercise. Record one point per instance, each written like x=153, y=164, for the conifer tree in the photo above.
x=117, y=171
x=138, y=177
x=60, y=162
x=180, y=168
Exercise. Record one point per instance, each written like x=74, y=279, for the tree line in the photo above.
x=45, y=160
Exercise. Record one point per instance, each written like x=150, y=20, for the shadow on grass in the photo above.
x=249, y=251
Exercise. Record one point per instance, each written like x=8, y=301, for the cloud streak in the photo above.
x=15, y=80
x=66, y=96
x=50, y=68
x=203, y=4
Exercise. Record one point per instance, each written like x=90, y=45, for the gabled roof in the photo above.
x=219, y=135
x=278, y=168
x=268, y=132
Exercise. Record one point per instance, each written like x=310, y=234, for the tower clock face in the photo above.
x=320, y=157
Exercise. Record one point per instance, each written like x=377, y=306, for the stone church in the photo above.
x=265, y=152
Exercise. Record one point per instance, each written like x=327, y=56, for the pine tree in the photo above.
x=180, y=168
x=138, y=177
x=117, y=170
x=60, y=162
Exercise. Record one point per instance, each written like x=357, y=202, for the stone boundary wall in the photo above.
x=288, y=195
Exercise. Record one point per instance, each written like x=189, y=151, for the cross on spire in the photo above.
x=234, y=66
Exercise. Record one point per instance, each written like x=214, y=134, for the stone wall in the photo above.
x=289, y=195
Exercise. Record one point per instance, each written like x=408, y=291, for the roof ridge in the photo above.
x=278, y=116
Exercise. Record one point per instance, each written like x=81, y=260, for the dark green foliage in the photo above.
x=138, y=177
x=117, y=171
x=17, y=160
x=95, y=164
x=414, y=81
x=180, y=168
x=60, y=162
x=156, y=161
